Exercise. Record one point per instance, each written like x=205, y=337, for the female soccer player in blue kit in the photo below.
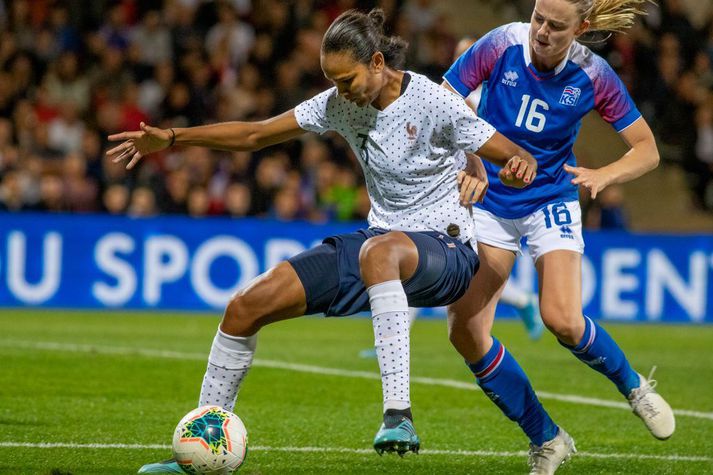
x=538, y=82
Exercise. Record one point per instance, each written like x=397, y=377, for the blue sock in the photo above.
x=598, y=350
x=506, y=384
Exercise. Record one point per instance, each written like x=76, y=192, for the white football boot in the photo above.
x=652, y=408
x=546, y=458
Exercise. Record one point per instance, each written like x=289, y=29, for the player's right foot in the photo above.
x=531, y=318
x=396, y=434
x=167, y=466
x=652, y=408
x=368, y=353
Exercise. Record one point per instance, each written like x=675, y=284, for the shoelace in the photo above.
x=539, y=453
x=644, y=404
x=650, y=379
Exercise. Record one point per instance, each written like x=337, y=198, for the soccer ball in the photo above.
x=210, y=440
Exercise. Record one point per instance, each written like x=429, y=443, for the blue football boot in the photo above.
x=167, y=466
x=368, y=353
x=531, y=318
x=397, y=434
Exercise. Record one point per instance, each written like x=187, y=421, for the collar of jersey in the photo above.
x=540, y=76
x=409, y=87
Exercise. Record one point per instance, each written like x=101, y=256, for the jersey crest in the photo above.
x=412, y=131
x=570, y=96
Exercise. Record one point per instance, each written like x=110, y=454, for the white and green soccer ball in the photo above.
x=210, y=440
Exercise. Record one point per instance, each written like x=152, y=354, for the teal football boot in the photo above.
x=396, y=434
x=531, y=318
x=167, y=466
x=368, y=353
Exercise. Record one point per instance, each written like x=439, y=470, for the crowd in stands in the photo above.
x=72, y=72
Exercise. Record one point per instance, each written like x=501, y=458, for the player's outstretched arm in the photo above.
x=247, y=136
x=642, y=157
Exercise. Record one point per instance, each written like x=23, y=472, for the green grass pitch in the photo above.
x=100, y=393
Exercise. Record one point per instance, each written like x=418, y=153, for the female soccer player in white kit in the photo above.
x=538, y=82
x=410, y=136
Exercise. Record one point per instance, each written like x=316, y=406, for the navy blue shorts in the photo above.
x=330, y=272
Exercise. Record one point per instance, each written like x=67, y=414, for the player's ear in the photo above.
x=377, y=62
x=582, y=29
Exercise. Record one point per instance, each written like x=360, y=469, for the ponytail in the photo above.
x=610, y=15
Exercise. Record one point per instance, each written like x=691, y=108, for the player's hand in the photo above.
x=592, y=179
x=472, y=188
x=518, y=172
x=138, y=144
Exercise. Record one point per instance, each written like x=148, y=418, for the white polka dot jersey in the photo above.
x=410, y=152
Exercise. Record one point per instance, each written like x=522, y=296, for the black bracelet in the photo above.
x=173, y=138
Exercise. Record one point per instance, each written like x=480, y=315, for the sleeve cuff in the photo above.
x=452, y=79
x=627, y=120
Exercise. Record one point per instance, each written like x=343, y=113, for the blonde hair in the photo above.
x=610, y=15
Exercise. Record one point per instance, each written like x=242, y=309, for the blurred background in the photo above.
x=72, y=72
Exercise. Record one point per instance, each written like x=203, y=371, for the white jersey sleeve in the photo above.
x=470, y=132
x=314, y=114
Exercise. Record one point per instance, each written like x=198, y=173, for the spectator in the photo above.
x=143, y=203
x=237, y=200
x=198, y=202
x=115, y=199
x=703, y=169
x=230, y=39
x=152, y=41
x=65, y=132
x=65, y=83
x=52, y=194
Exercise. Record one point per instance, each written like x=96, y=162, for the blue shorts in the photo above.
x=330, y=272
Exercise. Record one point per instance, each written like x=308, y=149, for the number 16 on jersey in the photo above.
x=530, y=113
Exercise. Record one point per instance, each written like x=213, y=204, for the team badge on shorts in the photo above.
x=566, y=232
x=570, y=96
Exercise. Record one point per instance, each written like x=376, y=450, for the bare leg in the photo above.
x=470, y=319
x=273, y=296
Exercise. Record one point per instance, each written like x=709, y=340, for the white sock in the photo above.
x=390, y=317
x=515, y=296
x=229, y=361
x=413, y=315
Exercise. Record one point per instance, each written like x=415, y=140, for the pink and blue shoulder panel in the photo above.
x=611, y=98
x=476, y=64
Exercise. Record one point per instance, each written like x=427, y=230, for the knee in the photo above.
x=468, y=337
x=379, y=249
x=241, y=317
x=379, y=254
x=567, y=326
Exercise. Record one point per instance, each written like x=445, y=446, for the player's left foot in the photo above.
x=167, y=466
x=396, y=434
x=547, y=458
x=531, y=318
x=652, y=408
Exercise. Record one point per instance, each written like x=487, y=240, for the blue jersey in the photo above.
x=541, y=112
